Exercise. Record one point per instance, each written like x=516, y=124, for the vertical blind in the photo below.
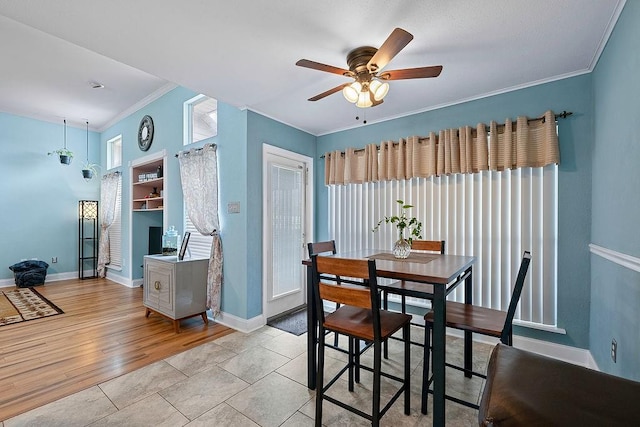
x=492, y=215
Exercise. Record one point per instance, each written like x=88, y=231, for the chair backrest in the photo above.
x=327, y=285
x=428, y=245
x=515, y=297
x=317, y=248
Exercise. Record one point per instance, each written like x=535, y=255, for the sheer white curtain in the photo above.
x=199, y=177
x=108, y=202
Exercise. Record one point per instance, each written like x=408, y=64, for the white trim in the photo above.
x=240, y=324
x=138, y=105
x=605, y=37
x=577, y=356
x=619, y=258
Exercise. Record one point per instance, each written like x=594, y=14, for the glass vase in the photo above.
x=401, y=248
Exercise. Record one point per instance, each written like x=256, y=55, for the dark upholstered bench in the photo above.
x=526, y=389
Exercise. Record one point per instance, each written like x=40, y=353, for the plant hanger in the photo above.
x=65, y=154
x=88, y=169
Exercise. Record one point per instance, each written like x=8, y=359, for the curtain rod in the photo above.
x=562, y=115
x=199, y=148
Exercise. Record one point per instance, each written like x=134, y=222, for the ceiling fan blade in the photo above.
x=329, y=92
x=411, y=73
x=323, y=67
x=396, y=41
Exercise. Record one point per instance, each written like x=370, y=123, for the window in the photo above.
x=199, y=246
x=114, y=152
x=200, y=119
x=491, y=215
x=115, y=232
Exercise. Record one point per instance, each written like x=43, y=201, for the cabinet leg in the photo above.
x=205, y=319
x=176, y=326
x=147, y=313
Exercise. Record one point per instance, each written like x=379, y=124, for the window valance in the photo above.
x=525, y=143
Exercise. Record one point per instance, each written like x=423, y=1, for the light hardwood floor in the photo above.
x=102, y=334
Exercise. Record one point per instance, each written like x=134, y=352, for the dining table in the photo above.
x=444, y=272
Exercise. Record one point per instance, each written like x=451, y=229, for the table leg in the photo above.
x=438, y=343
x=468, y=340
x=312, y=332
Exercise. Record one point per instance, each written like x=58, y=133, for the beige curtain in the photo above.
x=526, y=143
x=108, y=201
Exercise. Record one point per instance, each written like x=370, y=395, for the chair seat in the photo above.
x=473, y=318
x=358, y=322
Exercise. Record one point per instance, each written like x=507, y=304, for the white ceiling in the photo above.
x=243, y=52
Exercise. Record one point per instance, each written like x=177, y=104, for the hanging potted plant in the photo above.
x=65, y=154
x=89, y=169
x=402, y=246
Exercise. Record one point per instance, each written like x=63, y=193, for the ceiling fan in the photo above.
x=365, y=67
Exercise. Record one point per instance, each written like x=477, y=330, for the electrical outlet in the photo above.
x=614, y=350
x=54, y=260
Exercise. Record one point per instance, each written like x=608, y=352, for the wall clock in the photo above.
x=145, y=133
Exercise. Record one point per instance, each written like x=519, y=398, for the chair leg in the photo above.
x=351, y=361
x=377, y=366
x=406, y=333
x=335, y=338
x=426, y=367
x=386, y=307
x=320, y=382
x=357, y=360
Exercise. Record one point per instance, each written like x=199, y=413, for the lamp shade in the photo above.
x=352, y=91
x=379, y=89
x=88, y=209
x=364, y=100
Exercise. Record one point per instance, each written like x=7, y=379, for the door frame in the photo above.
x=309, y=213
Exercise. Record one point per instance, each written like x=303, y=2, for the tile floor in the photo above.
x=256, y=379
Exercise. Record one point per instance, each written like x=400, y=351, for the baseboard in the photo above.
x=577, y=356
x=6, y=283
x=240, y=324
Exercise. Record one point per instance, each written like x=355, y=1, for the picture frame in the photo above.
x=183, y=247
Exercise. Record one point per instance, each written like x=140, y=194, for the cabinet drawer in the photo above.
x=159, y=289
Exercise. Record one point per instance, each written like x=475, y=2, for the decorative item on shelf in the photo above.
x=89, y=169
x=143, y=205
x=154, y=193
x=170, y=240
x=65, y=154
x=402, y=247
x=159, y=172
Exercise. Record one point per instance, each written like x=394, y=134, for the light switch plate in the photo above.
x=233, y=207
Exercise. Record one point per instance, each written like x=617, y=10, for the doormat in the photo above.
x=20, y=305
x=295, y=323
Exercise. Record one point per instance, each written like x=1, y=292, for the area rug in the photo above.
x=22, y=304
x=294, y=323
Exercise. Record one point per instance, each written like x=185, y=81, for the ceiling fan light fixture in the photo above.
x=379, y=89
x=364, y=100
x=352, y=92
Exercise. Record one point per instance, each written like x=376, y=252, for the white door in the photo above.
x=285, y=227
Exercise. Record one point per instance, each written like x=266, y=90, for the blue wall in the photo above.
x=615, y=290
x=39, y=215
x=240, y=137
x=576, y=142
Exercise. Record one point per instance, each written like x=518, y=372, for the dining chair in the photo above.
x=359, y=318
x=475, y=319
x=319, y=248
x=404, y=286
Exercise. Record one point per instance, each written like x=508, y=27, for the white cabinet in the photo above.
x=175, y=289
